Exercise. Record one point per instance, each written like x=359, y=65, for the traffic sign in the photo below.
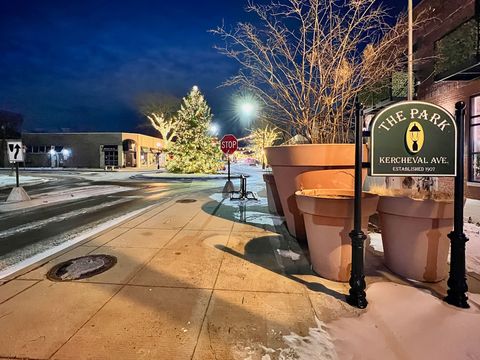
x=229, y=144
x=15, y=151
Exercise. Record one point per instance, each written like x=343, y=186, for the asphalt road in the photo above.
x=25, y=233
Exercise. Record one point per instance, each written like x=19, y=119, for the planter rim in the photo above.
x=320, y=144
x=416, y=208
x=408, y=198
x=313, y=155
x=328, y=193
x=334, y=207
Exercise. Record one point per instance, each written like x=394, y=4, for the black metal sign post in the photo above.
x=228, y=165
x=357, y=296
x=17, y=176
x=457, y=282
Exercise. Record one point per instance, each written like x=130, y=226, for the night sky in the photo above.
x=81, y=65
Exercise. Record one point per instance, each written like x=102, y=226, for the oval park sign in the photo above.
x=413, y=138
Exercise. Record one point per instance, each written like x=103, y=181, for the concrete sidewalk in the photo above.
x=194, y=280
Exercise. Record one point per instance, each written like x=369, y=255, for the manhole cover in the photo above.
x=81, y=268
x=186, y=201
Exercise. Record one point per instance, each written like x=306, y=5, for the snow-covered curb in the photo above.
x=85, y=235
x=64, y=195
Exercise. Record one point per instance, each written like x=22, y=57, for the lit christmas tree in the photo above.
x=195, y=150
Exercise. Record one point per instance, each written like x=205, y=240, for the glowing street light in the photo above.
x=246, y=107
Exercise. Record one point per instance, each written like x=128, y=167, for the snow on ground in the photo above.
x=317, y=345
x=11, y=180
x=375, y=242
x=402, y=322
x=64, y=195
x=59, y=218
x=473, y=247
x=472, y=210
x=289, y=254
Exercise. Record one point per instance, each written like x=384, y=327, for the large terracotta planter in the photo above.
x=274, y=204
x=328, y=216
x=414, y=236
x=309, y=166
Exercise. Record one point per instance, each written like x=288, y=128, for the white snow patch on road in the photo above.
x=11, y=180
x=64, y=195
x=64, y=245
x=41, y=223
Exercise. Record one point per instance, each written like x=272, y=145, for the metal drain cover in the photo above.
x=186, y=201
x=81, y=268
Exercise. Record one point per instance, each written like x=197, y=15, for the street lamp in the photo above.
x=158, y=155
x=246, y=107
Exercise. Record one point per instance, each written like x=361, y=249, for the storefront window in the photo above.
x=475, y=139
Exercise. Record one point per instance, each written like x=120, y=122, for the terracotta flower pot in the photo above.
x=328, y=218
x=274, y=204
x=310, y=166
x=414, y=236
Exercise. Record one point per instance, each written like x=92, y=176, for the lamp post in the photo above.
x=410, y=51
x=158, y=155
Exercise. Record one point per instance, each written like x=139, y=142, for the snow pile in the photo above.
x=80, y=267
x=472, y=231
x=472, y=210
x=402, y=322
x=375, y=242
x=317, y=345
x=289, y=254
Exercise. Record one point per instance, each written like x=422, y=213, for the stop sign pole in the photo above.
x=229, y=144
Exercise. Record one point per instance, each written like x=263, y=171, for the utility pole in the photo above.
x=410, y=51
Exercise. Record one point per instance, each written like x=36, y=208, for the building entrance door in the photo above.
x=111, y=158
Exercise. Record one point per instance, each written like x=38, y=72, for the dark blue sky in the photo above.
x=80, y=64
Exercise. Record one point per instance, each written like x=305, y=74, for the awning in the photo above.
x=466, y=74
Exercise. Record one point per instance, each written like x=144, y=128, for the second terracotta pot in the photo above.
x=414, y=236
x=328, y=218
x=309, y=166
x=274, y=203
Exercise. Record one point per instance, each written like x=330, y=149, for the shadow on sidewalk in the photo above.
x=288, y=268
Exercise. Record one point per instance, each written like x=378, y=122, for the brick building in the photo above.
x=447, y=53
x=92, y=150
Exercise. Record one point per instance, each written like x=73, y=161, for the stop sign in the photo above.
x=229, y=144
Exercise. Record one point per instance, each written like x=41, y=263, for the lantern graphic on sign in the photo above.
x=414, y=137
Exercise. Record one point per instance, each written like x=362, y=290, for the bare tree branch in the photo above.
x=309, y=59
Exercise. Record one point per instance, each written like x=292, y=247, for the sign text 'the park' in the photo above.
x=413, y=138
